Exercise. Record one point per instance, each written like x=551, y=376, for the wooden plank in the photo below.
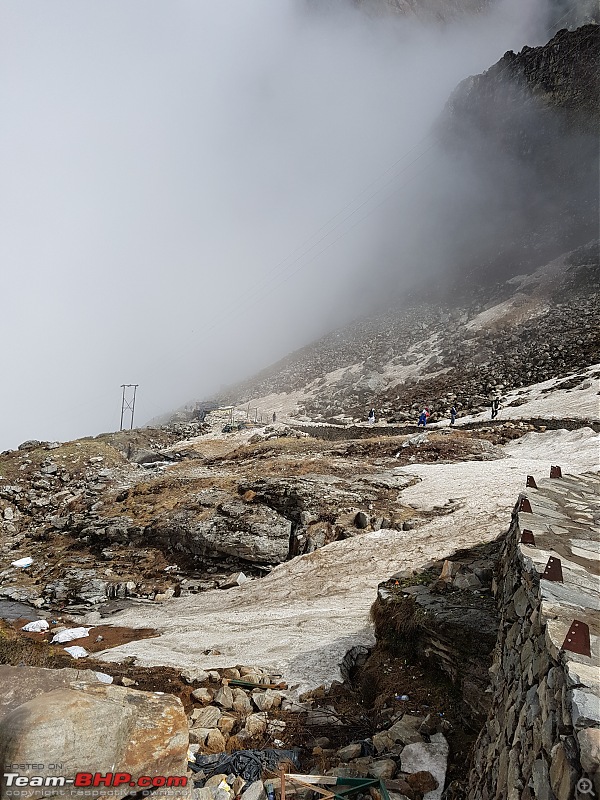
x=328, y=780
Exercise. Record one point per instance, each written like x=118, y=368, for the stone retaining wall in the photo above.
x=542, y=737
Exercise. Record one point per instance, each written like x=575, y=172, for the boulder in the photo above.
x=224, y=697
x=202, y=695
x=423, y=757
x=382, y=741
x=384, y=768
x=195, y=675
x=267, y=700
x=21, y=684
x=256, y=724
x=361, y=520
x=227, y=723
x=237, y=579
x=350, y=751
x=241, y=702
x=198, y=735
x=406, y=730
x=93, y=727
x=256, y=791
x=251, y=532
x=215, y=741
x=207, y=717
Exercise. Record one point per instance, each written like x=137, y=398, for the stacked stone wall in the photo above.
x=541, y=740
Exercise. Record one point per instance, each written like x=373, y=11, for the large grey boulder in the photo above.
x=97, y=728
x=252, y=532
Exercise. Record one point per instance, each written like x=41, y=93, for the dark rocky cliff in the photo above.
x=525, y=136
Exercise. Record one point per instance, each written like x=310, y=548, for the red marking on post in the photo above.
x=555, y=471
x=527, y=537
x=553, y=571
x=577, y=639
x=525, y=506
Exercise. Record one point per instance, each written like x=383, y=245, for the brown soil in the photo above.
x=101, y=637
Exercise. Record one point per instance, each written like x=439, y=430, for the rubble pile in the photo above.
x=245, y=709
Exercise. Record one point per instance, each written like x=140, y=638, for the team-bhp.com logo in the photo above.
x=88, y=780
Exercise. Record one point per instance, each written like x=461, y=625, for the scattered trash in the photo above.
x=69, y=634
x=403, y=697
x=248, y=764
x=37, y=626
x=76, y=651
x=22, y=562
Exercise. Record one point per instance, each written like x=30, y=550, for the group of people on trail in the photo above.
x=425, y=414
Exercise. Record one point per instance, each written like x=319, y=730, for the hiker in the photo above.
x=495, y=407
x=371, y=417
x=274, y=417
x=452, y=415
x=423, y=417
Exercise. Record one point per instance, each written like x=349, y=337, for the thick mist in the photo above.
x=190, y=190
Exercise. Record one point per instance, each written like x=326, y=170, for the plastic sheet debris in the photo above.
x=69, y=634
x=248, y=764
x=37, y=626
x=76, y=651
x=22, y=562
x=102, y=676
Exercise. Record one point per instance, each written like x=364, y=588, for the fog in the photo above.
x=190, y=190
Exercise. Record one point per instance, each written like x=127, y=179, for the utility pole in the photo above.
x=128, y=401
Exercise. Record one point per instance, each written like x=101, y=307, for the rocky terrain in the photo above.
x=319, y=586
x=528, y=330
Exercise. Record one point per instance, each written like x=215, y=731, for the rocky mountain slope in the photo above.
x=527, y=330
x=209, y=543
x=520, y=306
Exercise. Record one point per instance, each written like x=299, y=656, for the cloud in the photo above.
x=166, y=169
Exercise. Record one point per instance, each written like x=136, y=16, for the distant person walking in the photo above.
x=274, y=417
x=423, y=417
x=371, y=417
x=495, y=407
x=452, y=415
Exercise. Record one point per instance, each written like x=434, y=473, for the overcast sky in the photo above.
x=171, y=173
